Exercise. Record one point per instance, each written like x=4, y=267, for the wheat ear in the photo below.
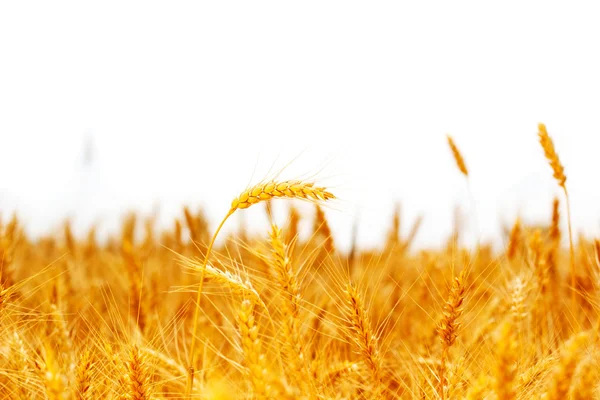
x=448, y=327
x=287, y=281
x=84, y=377
x=137, y=375
x=460, y=161
x=514, y=241
x=564, y=371
x=254, y=195
x=559, y=174
x=506, y=366
x=586, y=380
x=255, y=360
x=363, y=337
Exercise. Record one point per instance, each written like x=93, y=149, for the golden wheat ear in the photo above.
x=558, y=172
x=289, y=189
x=460, y=161
x=551, y=155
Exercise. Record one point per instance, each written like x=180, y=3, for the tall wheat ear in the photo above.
x=291, y=189
x=558, y=172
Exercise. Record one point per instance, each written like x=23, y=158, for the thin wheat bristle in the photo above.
x=460, y=161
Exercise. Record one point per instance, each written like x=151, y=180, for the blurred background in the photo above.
x=117, y=106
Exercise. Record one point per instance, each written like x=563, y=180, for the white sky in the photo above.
x=188, y=102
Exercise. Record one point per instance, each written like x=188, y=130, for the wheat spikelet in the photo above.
x=393, y=237
x=321, y=227
x=564, y=371
x=517, y=299
x=447, y=328
x=236, y=283
x=554, y=232
x=291, y=229
x=251, y=346
x=460, y=161
x=412, y=234
x=84, y=378
x=586, y=380
x=506, y=365
x=289, y=189
x=286, y=277
x=54, y=380
x=550, y=154
x=139, y=382
x=294, y=347
x=18, y=360
x=362, y=335
x=136, y=293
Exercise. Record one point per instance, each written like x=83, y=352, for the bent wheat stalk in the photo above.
x=256, y=194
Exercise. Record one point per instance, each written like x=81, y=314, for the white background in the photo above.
x=188, y=102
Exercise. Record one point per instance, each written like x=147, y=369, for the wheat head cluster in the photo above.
x=174, y=313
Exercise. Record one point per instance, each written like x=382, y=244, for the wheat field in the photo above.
x=176, y=313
